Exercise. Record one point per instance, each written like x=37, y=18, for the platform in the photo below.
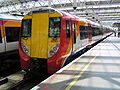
x=97, y=69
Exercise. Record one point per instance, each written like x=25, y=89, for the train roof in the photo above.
x=10, y=17
x=94, y=23
x=43, y=9
x=52, y=10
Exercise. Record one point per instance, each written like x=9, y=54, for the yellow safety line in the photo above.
x=79, y=75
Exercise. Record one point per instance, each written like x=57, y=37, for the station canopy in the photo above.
x=104, y=11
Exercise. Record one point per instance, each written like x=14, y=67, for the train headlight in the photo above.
x=53, y=50
x=25, y=49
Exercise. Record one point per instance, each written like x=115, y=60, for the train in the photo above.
x=9, y=33
x=10, y=26
x=49, y=36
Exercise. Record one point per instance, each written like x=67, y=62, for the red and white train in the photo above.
x=49, y=36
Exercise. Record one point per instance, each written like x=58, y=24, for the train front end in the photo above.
x=39, y=45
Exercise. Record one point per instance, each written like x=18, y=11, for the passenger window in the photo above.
x=95, y=31
x=68, y=29
x=54, y=26
x=0, y=37
x=83, y=32
x=12, y=34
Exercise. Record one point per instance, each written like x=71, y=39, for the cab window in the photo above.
x=54, y=26
x=26, y=27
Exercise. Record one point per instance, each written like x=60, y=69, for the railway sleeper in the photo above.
x=3, y=81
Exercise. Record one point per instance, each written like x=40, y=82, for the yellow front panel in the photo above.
x=39, y=38
x=27, y=42
x=52, y=41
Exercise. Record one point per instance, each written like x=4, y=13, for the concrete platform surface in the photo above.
x=97, y=69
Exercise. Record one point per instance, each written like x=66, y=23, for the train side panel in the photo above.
x=9, y=34
x=11, y=29
x=79, y=43
x=2, y=37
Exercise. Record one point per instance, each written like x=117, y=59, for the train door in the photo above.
x=12, y=37
x=39, y=38
x=66, y=40
x=73, y=35
x=89, y=33
x=69, y=36
x=2, y=44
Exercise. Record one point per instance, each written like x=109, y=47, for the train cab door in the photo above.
x=73, y=26
x=2, y=44
x=66, y=39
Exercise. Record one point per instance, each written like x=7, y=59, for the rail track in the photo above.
x=19, y=81
x=12, y=78
x=9, y=64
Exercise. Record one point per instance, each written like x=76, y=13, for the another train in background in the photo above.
x=49, y=36
x=9, y=33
